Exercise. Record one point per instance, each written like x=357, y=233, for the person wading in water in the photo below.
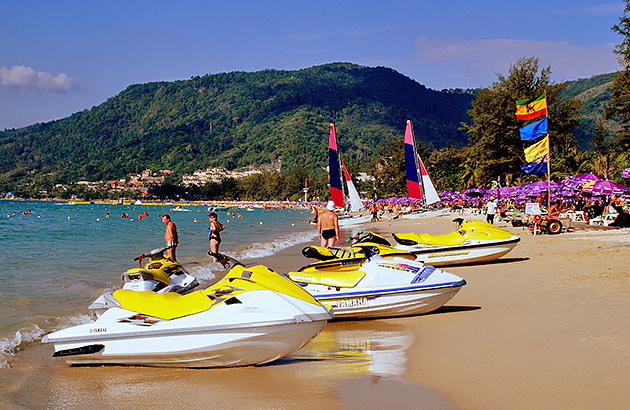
x=170, y=236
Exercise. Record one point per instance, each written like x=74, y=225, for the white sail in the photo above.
x=430, y=194
x=355, y=200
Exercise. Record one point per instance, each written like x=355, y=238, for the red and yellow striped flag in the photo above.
x=533, y=108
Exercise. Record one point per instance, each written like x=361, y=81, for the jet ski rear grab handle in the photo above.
x=227, y=261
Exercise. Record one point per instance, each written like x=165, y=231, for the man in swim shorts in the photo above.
x=328, y=226
x=170, y=236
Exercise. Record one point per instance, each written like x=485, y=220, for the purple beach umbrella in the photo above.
x=475, y=192
x=536, y=188
x=577, y=182
x=602, y=188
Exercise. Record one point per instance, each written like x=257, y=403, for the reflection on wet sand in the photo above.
x=358, y=349
x=350, y=364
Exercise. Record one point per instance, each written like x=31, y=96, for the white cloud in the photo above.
x=479, y=57
x=23, y=77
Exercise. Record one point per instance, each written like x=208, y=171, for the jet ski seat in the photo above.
x=411, y=239
x=324, y=254
x=167, y=306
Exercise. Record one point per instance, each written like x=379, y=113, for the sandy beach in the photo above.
x=543, y=327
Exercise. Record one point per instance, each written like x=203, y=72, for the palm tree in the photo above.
x=469, y=176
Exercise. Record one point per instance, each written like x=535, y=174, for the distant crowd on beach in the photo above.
x=590, y=208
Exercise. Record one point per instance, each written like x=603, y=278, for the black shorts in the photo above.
x=490, y=218
x=328, y=233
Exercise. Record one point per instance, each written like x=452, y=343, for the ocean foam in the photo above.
x=203, y=272
x=259, y=250
x=30, y=335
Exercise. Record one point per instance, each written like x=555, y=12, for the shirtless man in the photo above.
x=170, y=236
x=328, y=226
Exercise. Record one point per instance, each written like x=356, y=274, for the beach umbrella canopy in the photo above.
x=508, y=191
x=608, y=188
x=475, y=192
x=577, y=182
x=537, y=188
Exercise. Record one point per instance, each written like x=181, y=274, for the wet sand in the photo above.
x=543, y=327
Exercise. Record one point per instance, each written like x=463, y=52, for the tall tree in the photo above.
x=496, y=148
x=619, y=106
x=388, y=169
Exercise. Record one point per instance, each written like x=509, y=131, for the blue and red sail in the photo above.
x=414, y=189
x=336, y=181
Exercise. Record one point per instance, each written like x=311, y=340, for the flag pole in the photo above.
x=548, y=164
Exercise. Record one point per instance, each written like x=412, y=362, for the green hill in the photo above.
x=238, y=119
x=232, y=120
x=594, y=93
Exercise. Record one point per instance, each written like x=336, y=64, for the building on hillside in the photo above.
x=218, y=174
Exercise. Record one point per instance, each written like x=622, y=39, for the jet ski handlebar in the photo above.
x=355, y=238
x=154, y=252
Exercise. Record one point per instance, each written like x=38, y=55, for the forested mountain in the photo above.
x=594, y=94
x=238, y=119
x=232, y=120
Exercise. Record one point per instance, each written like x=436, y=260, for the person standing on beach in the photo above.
x=390, y=211
x=491, y=210
x=170, y=236
x=374, y=212
x=328, y=226
x=214, y=234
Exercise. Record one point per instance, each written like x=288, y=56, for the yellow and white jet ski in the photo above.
x=369, y=285
x=251, y=316
x=472, y=242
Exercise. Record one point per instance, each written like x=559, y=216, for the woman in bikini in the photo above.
x=214, y=234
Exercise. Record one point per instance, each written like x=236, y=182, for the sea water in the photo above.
x=58, y=257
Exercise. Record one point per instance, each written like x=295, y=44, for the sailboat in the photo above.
x=419, y=185
x=355, y=200
x=337, y=192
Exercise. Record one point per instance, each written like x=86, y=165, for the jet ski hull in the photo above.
x=466, y=253
x=210, y=347
x=380, y=288
x=401, y=302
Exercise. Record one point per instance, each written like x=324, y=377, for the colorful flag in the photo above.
x=540, y=166
x=534, y=130
x=534, y=108
x=626, y=173
x=537, y=150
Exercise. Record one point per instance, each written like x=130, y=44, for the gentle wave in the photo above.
x=260, y=250
x=32, y=335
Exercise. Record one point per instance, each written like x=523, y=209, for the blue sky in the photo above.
x=60, y=57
